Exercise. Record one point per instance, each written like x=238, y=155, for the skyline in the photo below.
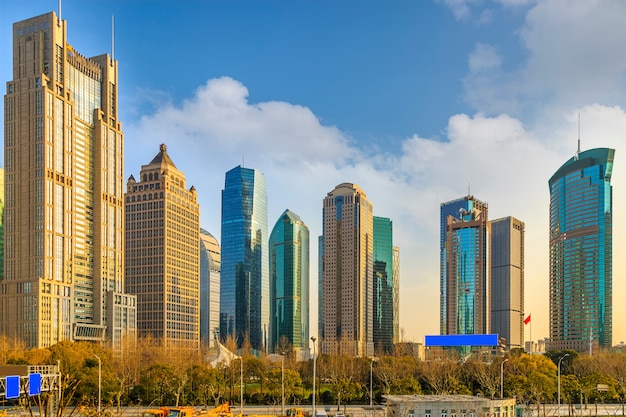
x=371, y=102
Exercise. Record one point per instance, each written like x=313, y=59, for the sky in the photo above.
x=418, y=102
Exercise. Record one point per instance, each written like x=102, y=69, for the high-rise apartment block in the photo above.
x=245, y=285
x=465, y=268
x=64, y=213
x=347, y=273
x=210, y=267
x=581, y=252
x=289, y=284
x=385, y=287
x=507, y=281
x=162, y=253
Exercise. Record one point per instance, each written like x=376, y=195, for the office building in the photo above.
x=465, y=268
x=289, y=284
x=245, y=285
x=162, y=253
x=64, y=191
x=210, y=267
x=507, y=281
x=581, y=249
x=347, y=276
x=386, y=281
x=1, y=223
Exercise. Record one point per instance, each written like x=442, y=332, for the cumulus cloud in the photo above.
x=573, y=58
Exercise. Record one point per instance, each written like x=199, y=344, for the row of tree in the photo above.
x=146, y=373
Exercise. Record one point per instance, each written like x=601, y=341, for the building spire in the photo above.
x=578, y=150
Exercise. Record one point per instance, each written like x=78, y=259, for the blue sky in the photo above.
x=415, y=101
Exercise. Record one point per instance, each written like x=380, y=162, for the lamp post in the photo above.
x=241, y=384
x=502, y=378
x=99, y=380
x=313, y=339
x=283, y=383
x=374, y=359
x=558, y=371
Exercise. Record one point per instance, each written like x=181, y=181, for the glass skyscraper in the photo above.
x=245, y=287
x=386, y=324
x=465, y=272
x=581, y=249
x=289, y=282
x=210, y=266
x=347, y=272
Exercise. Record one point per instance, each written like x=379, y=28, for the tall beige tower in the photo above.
x=346, y=325
x=64, y=214
x=163, y=253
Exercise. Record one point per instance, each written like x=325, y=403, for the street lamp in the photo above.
x=99, y=380
x=558, y=371
x=502, y=378
x=241, y=384
x=373, y=359
x=283, y=383
x=313, y=339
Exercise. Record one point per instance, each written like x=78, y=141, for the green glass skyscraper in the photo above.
x=289, y=283
x=581, y=252
x=386, y=324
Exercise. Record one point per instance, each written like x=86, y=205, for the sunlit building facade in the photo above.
x=210, y=267
x=245, y=284
x=581, y=252
x=347, y=272
x=64, y=191
x=162, y=253
x=507, y=281
x=465, y=267
x=385, y=281
x=289, y=283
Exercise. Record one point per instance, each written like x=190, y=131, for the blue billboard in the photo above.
x=449, y=340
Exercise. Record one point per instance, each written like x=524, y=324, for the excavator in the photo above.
x=222, y=410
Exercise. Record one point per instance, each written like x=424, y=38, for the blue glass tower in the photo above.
x=245, y=289
x=465, y=273
x=289, y=282
x=581, y=252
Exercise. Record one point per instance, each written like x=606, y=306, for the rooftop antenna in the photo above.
x=468, y=189
x=243, y=161
x=59, y=18
x=578, y=150
x=112, y=39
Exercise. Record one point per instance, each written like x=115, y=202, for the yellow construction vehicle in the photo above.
x=170, y=412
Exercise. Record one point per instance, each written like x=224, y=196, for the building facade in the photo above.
x=245, y=285
x=210, y=267
x=507, y=281
x=289, y=284
x=347, y=272
x=64, y=190
x=162, y=256
x=581, y=252
x=386, y=280
x=465, y=267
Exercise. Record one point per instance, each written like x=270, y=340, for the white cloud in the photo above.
x=574, y=57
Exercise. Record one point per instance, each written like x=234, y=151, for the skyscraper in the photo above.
x=507, y=280
x=162, y=253
x=289, y=282
x=386, y=277
x=64, y=214
x=465, y=270
x=245, y=286
x=210, y=267
x=347, y=275
x=581, y=251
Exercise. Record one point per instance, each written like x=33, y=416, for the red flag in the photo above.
x=527, y=319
